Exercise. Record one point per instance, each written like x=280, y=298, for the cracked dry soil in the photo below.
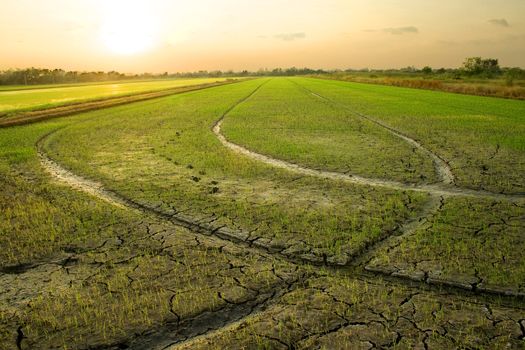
x=209, y=287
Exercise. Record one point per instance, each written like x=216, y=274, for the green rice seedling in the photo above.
x=470, y=242
x=46, y=97
x=287, y=122
x=481, y=138
x=80, y=272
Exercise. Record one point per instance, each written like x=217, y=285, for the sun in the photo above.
x=128, y=27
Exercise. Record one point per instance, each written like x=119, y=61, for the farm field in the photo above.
x=46, y=96
x=503, y=86
x=59, y=85
x=271, y=213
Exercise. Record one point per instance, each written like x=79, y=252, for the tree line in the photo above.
x=472, y=66
x=37, y=76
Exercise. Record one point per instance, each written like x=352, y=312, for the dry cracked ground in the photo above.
x=157, y=226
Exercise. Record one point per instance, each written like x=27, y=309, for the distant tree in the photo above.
x=481, y=66
x=426, y=70
x=409, y=69
x=491, y=67
x=512, y=74
x=473, y=65
x=277, y=71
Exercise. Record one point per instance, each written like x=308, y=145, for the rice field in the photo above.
x=271, y=213
x=46, y=96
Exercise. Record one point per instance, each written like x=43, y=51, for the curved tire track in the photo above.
x=436, y=190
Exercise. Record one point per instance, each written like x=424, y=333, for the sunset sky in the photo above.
x=160, y=35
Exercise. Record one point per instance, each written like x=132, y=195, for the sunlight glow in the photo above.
x=128, y=27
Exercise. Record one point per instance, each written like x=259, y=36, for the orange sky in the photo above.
x=179, y=35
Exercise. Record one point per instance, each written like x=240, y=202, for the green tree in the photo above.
x=427, y=70
x=512, y=74
x=481, y=66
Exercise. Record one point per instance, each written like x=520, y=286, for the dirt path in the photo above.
x=93, y=188
x=440, y=190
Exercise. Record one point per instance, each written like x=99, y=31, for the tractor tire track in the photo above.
x=96, y=189
x=93, y=188
x=436, y=190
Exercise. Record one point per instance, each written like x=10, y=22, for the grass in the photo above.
x=78, y=273
x=287, y=122
x=39, y=98
x=496, y=87
x=468, y=241
x=336, y=313
x=163, y=154
x=481, y=138
x=39, y=115
x=62, y=85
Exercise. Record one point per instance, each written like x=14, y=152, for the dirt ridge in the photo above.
x=436, y=190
